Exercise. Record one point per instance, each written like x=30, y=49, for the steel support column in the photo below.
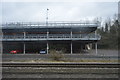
x=24, y=34
x=96, y=48
x=71, y=48
x=47, y=47
x=47, y=34
x=95, y=34
x=24, y=48
x=71, y=33
x=71, y=42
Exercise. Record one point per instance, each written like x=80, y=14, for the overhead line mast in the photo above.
x=47, y=17
x=47, y=30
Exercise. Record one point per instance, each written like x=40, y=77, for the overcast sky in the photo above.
x=58, y=11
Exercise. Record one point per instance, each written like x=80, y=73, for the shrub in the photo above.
x=56, y=55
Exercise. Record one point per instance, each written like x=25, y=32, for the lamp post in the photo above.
x=47, y=29
x=47, y=17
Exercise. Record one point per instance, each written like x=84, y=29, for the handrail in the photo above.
x=50, y=24
x=52, y=36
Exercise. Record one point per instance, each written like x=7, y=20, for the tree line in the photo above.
x=109, y=35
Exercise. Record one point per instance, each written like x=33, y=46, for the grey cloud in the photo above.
x=64, y=11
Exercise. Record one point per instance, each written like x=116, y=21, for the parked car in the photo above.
x=42, y=51
x=15, y=51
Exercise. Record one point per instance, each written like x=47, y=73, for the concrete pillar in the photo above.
x=95, y=34
x=24, y=34
x=24, y=48
x=96, y=48
x=96, y=44
x=85, y=47
x=47, y=34
x=47, y=47
x=71, y=43
x=91, y=46
x=80, y=34
x=71, y=33
x=71, y=48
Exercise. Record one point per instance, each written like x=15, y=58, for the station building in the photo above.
x=33, y=37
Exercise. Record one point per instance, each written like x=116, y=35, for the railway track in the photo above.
x=60, y=70
x=66, y=65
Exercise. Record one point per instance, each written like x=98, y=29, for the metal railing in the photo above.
x=74, y=36
x=50, y=24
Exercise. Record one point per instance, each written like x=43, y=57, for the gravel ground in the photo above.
x=60, y=73
x=61, y=76
x=77, y=73
x=105, y=52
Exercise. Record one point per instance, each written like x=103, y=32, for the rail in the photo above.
x=79, y=65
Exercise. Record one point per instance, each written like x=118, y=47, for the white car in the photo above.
x=43, y=52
